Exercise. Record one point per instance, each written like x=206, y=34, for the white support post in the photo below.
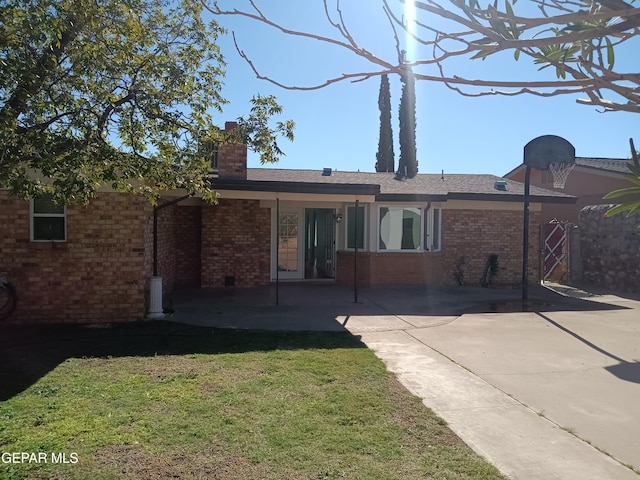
x=155, y=299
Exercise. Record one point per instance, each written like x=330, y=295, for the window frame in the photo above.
x=33, y=215
x=420, y=209
x=364, y=227
x=430, y=214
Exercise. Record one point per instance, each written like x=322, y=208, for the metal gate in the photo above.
x=554, y=251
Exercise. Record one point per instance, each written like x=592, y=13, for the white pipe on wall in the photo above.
x=155, y=299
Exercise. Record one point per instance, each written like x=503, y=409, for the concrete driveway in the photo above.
x=549, y=393
x=534, y=392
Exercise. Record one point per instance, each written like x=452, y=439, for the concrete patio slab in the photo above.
x=373, y=323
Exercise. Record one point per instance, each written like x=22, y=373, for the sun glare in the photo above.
x=409, y=19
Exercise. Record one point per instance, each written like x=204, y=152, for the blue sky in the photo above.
x=338, y=126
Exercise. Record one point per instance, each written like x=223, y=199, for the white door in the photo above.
x=289, y=244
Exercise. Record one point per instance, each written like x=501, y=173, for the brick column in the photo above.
x=232, y=157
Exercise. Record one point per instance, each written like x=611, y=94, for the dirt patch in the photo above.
x=133, y=462
x=162, y=368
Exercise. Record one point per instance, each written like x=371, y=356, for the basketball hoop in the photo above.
x=560, y=173
x=548, y=152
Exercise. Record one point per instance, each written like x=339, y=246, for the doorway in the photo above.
x=319, y=243
x=290, y=238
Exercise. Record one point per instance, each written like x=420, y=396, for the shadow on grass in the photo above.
x=27, y=353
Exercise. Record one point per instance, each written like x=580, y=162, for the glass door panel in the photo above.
x=288, y=236
x=288, y=233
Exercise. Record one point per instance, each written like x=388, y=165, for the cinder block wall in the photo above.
x=235, y=243
x=475, y=234
x=97, y=275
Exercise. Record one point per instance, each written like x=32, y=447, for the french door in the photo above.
x=290, y=240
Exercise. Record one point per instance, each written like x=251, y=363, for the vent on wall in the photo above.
x=500, y=185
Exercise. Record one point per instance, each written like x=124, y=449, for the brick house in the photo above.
x=589, y=181
x=94, y=263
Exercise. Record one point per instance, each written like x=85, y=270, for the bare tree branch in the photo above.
x=577, y=42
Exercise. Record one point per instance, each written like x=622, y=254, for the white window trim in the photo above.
x=421, y=208
x=364, y=226
x=33, y=215
x=428, y=242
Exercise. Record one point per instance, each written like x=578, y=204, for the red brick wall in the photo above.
x=178, y=247
x=344, y=268
x=232, y=161
x=97, y=275
x=187, y=246
x=167, y=219
x=391, y=268
x=475, y=234
x=235, y=243
x=232, y=158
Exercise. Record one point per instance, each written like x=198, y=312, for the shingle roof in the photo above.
x=423, y=186
x=611, y=165
x=618, y=165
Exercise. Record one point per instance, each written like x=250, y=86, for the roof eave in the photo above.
x=295, y=187
x=410, y=197
x=513, y=197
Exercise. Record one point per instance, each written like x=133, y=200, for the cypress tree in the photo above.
x=384, y=158
x=408, y=162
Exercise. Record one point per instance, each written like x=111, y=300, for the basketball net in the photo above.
x=560, y=173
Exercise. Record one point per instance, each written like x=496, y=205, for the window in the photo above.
x=48, y=220
x=355, y=228
x=432, y=229
x=400, y=228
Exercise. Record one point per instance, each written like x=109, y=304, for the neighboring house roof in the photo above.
x=611, y=165
x=618, y=165
x=385, y=186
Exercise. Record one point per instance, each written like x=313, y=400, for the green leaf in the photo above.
x=622, y=192
x=632, y=206
x=483, y=41
x=610, y=53
x=483, y=54
x=125, y=101
x=630, y=209
x=515, y=31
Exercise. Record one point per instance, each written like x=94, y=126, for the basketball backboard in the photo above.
x=540, y=152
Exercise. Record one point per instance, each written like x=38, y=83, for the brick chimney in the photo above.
x=232, y=157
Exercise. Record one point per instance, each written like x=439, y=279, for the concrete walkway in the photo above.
x=521, y=388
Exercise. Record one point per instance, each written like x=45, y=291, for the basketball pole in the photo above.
x=525, y=238
x=355, y=254
x=540, y=153
x=278, y=251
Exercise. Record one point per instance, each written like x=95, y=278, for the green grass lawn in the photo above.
x=164, y=401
